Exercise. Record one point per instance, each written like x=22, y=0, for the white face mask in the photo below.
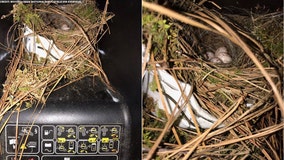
x=42, y=47
x=176, y=93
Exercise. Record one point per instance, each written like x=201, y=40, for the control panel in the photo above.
x=79, y=122
x=64, y=142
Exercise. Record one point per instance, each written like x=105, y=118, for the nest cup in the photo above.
x=206, y=41
x=72, y=28
x=218, y=84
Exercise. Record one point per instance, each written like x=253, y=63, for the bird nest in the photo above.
x=53, y=44
x=244, y=94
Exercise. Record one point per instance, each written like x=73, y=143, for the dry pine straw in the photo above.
x=249, y=131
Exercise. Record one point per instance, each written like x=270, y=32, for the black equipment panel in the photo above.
x=80, y=121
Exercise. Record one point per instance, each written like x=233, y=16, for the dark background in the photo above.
x=257, y=6
x=5, y=24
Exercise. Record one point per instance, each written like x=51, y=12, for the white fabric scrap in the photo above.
x=176, y=92
x=174, y=96
x=42, y=47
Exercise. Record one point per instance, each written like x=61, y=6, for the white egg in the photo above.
x=209, y=55
x=65, y=27
x=216, y=60
x=221, y=49
x=223, y=55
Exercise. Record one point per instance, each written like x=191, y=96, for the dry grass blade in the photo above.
x=194, y=144
x=147, y=52
x=265, y=132
x=170, y=117
x=170, y=13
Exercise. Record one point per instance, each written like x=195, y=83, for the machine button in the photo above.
x=109, y=140
x=27, y=139
x=47, y=132
x=47, y=147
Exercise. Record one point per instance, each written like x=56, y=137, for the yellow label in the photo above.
x=61, y=140
x=105, y=140
x=92, y=140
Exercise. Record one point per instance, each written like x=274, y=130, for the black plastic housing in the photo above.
x=79, y=108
